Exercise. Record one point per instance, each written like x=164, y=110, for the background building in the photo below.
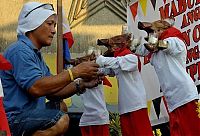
x=88, y=19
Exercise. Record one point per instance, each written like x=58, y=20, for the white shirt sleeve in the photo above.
x=125, y=63
x=175, y=46
x=107, y=71
x=141, y=50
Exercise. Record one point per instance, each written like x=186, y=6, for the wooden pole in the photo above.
x=59, y=38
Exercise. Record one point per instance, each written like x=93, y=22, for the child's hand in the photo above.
x=150, y=47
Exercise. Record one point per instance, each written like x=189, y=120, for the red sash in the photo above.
x=125, y=51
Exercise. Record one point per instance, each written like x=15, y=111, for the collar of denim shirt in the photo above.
x=29, y=43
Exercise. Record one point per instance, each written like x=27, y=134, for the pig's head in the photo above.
x=114, y=43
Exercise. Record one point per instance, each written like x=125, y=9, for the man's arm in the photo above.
x=72, y=89
x=53, y=84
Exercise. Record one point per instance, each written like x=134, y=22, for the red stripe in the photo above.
x=165, y=103
x=68, y=36
x=106, y=82
x=3, y=120
x=133, y=9
x=4, y=64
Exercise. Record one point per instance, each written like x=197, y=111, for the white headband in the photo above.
x=32, y=15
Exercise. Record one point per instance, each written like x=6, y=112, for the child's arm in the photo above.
x=141, y=50
x=176, y=46
x=107, y=71
x=126, y=63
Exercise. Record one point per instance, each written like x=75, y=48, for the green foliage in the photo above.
x=115, y=129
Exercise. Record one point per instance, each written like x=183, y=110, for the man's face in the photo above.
x=45, y=33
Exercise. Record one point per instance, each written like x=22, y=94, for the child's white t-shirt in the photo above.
x=132, y=95
x=95, y=112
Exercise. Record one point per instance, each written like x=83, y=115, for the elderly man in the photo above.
x=30, y=82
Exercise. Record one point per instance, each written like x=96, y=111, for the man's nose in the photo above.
x=53, y=30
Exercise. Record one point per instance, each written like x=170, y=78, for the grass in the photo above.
x=115, y=129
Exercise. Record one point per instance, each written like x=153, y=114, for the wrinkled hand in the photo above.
x=101, y=77
x=98, y=79
x=86, y=70
x=90, y=83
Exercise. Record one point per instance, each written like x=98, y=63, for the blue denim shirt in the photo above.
x=28, y=66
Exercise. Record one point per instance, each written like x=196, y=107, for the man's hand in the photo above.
x=90, y=84
x=85, y=70
x=101, y=77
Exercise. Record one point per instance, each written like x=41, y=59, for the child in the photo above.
x=177, y=86
x=132, y=97
x=95, y=118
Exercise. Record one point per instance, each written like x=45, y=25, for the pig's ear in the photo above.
x=129, y=35
x=108, y=53
x=170, y=21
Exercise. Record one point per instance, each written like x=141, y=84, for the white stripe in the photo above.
x=66, y=27
x=1, y=89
